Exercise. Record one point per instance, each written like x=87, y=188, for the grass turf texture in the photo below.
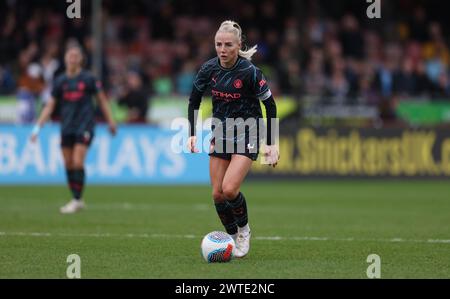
x=326, y=230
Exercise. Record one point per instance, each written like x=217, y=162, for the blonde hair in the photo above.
x=233, y=27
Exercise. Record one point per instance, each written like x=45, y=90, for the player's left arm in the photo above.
x=264, y=94
x=96, y=88
x=106, y=110
x=272, y=152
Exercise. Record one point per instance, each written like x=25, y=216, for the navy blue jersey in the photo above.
x=236, y=95
x=236, y=91
x=75, y=98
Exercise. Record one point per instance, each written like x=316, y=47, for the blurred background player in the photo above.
x=73, y=90
x=135, y=98
x=237, y=87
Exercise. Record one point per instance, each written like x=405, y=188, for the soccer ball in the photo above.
x=217, y=247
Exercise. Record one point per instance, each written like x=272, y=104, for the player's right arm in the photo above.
x=194, y=104
x=198, y=88
x=56, y=93
x=43, y=118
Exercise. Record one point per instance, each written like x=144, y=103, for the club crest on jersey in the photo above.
x=237, y=83
x=81, y=86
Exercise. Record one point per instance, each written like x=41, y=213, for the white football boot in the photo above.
x=72, y=206
x=242, y=242
x=234, y=237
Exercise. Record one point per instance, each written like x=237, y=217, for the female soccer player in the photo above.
x=74, y=90
x=237, y=86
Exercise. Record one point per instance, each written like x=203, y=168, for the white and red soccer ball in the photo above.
x=217, y=247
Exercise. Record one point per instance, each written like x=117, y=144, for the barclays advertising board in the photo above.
x=136, y=155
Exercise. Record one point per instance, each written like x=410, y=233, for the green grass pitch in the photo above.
x=301, y=229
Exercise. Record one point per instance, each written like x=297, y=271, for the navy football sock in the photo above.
x=226, y=217
x=69, y=173
x=76, y=183
x=239, y=209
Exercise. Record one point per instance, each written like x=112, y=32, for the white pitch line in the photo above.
x=175, y=236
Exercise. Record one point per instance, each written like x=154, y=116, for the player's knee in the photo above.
x=77, y=163
x=68, y=164
x=217, y=196
x=230, y=191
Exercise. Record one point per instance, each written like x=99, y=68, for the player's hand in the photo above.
x=112, y=128
x=272, y=155
x=35, y=133
x=33, y=138
x=192, y=141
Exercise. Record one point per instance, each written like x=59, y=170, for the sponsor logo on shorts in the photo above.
x=86, y=137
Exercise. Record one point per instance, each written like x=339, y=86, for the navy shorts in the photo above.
x=249, y=151
x=69, y=140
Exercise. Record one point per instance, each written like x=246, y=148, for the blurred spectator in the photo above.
x=30, y=86
x=387, y=79
x=338, y=86
x=418, y=25
x=8, y=45
x=423, y=83
x=77, y=29
x=88, y=48
x=351, y=38
x=50, y=64
x=7, y=84
x=315, y=80
x=443, y=88
x=186, y=78
x=331, y=53
x=135, y=98
x=407, y=82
